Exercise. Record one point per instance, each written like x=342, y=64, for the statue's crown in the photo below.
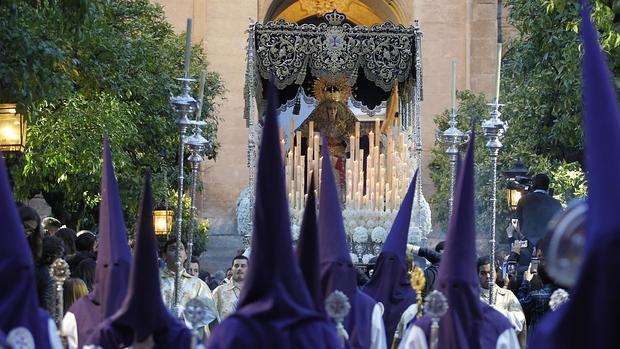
x=335, y=17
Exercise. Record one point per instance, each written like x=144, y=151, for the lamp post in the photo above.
x=452, y=138
x=12, y=129
x=494, y=128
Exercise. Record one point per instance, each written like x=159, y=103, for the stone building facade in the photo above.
x=461, y=30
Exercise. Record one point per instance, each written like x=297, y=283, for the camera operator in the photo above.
x=536, y=209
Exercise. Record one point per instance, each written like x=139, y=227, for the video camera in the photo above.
x=521, y=183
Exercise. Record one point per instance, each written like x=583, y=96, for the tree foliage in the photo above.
x=107, y=69
x=541, y=90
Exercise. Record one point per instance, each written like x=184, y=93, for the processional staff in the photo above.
x=60, y=272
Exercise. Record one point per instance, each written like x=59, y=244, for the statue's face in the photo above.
x=332, y=111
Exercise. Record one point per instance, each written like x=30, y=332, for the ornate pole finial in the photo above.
x=337, y=307
x=60, y=272
x=436, y=305
x=198, y=314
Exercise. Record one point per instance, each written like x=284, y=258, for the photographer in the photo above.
x=536, y=209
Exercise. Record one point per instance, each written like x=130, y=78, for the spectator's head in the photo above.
x=228, y=273
x=440, y=246
x=219, y=276
x=169, y=252
x=68, y=236
x=484, y=271
x=32, y=227
x=86, y=272
x=239, y=268
x=540, y=182
x=51, y=225
x=53, y=248
x=194, y=266
x=74, y=288
x=85, y=241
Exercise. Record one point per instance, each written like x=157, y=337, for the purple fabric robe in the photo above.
x=390, y=283
x=19, y=304
x=337, y=269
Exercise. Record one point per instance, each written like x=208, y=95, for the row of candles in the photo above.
x=374, y=181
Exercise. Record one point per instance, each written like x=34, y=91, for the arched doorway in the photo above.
x=367, y=13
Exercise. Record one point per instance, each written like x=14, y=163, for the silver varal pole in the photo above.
x=60, y=272
x=184, y=105
x=249, y=111
x=418, y=116
x=196, y=143
x=493, y=129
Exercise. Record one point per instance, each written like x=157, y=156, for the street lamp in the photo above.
x=12, y=129
x=162, y=220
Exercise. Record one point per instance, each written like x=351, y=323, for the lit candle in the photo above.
x=352, y=147
x=453, y=85
x=499, y=71
x=188, y=47
x=357, y=138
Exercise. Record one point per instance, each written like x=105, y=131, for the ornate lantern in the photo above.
x=162, y=220
x=12, y=129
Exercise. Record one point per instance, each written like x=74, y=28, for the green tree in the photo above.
x=541, y=90
x=111, y=72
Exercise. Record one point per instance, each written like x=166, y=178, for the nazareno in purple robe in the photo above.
x=469, y=323
x=113, y=258
x=19, y=304
x=390, y=283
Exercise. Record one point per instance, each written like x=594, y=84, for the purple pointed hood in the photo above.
x=469, y=323
x=390, y=283
x=143, y=312
x=113, y=258
x=572, y=325
x=337, y=269
x=308, y=249
x=19, y=305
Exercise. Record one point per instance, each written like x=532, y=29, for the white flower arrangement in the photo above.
x=366, y=258
x=360, y=234
x=378, y=235
x=414, y=236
